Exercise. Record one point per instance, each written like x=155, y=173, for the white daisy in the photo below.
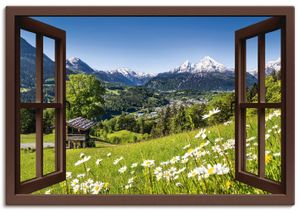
x=148, y=163
x=98, y=161
x=122, y=169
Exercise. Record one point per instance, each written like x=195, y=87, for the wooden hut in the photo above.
x=78, y=132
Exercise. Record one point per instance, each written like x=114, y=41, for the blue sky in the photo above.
x=153, y=44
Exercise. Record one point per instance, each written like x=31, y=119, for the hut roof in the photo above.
x=81, y=123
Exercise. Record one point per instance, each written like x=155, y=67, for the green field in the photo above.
x=30, y=138
x=203, y=165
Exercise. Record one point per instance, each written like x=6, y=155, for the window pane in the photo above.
x=251, y=69
x=49, y=140
x=49, y=70
x=252, y=141
x=27, y=144
x=273, y=144
x=273, y=67
x=27, y=66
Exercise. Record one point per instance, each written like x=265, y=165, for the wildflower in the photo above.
x=210, y=113
x=201, y=133
x=106, y=186
x=228, y=184
x=68, y=174
x=175, y=159
x=98, y=161
x=210, y=169
x=217, y=149
x=221, y=169
x=118, y=160
x=97, y=187
x=158, y=176
x=196, y=171
x=83, y=160
x=178, y=184
x=251, y=139
x=128, y=186
x=157, y=170
x=167, y=175
x=82, y=155
x=74, y=182
x=108, y=154
x=181, y=170
x=276, y=154
x=89, y=182
x=218, y=140
x=80, y=175
x=268, y=157
x=227, y=123
x=134, y=165
x=76, y=188
x=132, y=172
x=122, y=169
x=88, y=169
x=229, y=144
x=84, y=187
x=267, y=136
x=48, y=191
x=164, y=163
x=130, y=180
x=187, y=146
x=184, y=160
x=276, y=113
x=148, y=163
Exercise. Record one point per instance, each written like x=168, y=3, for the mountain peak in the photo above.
x=207, y=58
x=122, y=70
x=185, y=67
x=75, y=64
x=208, y=64
x=271, y=66
x=74, y=59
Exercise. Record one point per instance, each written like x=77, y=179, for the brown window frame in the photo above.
x=258, y=30
x=289, y=95
x=41, y=180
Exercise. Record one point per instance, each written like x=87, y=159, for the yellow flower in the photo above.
x=211, y=170
x=268, y=158
x=228, y=184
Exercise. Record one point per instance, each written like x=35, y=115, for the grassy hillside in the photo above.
x=189, y=162
x=124, y=136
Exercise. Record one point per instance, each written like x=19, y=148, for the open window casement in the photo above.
x=261, y=107
x=41, y=33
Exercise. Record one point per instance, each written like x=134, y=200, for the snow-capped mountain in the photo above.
x=123, y=76
x=206, y=64
x=271, y=66
x=76, y=64
x=206, y=75
x=130, y=73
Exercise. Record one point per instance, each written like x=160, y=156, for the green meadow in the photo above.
x=194, y=162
